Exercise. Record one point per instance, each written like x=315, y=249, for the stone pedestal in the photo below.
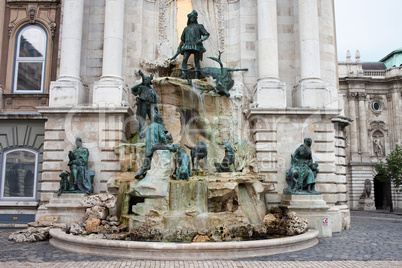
x=313, y=94
x=366, y=204
x=270, y=94
x=311, y=207
x=335, y=217
x=156, y=181
x=108, y=92
x=153, y=189
x=68, y=206
x=67, y=94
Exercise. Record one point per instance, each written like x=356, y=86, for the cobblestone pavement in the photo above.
x=374, y=241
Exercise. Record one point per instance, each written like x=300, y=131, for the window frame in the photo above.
x=2, y=174
x=18, y=60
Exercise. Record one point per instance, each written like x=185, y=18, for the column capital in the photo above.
x=362, y=96
x=351, y=96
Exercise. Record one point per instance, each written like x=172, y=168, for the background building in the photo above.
x=372, y=95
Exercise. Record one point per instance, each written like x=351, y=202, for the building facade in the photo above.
x=371, y=92
x=67, y=66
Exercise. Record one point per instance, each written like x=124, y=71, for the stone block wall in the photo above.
x=101, y=130
x=278, y=134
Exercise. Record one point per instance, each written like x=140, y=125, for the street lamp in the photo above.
x=391, y=206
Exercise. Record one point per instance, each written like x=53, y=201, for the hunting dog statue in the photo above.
x=197, y=153
x=182, y=168
x=228, y=160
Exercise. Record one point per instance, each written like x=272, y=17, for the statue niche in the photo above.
x=378, y=143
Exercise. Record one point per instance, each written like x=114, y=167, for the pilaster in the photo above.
x=353, y=128
x=363, y=137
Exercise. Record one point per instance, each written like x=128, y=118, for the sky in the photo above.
x=374, y=27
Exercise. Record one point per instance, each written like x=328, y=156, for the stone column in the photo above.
x=269, y=91
x=309, y=40
x=363, y=124
x=354, y=147
x=68, y=89
x=311, y=91
x=110, y=89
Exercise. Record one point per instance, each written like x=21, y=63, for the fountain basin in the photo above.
x=181, y=251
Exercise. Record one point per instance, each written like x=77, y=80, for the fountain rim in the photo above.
x=142, y=250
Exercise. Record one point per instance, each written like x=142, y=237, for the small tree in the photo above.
x=391, y=168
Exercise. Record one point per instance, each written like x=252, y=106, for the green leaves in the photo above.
x=391, y=168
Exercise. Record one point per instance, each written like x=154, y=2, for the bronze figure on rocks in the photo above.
x=301, y=176
x=146, y=100
x=155, y=139
x=191, y=43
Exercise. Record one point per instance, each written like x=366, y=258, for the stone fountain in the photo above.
x=167, y=219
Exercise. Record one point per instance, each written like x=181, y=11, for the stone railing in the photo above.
x=374, y=73
x=392, y=72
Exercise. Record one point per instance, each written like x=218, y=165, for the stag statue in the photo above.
x=224, y=81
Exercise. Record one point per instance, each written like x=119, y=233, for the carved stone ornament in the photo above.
x=10, y=28
x=32, y=14
x=164, y=17
x=362, y=96
x=52, y=26
x=389, y=96
x=378, y=125
x=352, y=95
x=163, y=20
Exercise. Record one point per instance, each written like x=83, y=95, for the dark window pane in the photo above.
x=19, y=178
x=32, y=43
x=29, y=76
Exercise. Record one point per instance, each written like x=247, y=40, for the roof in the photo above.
x=397, y=51
x=374, y=66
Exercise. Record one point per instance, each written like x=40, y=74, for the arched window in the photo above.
x=19, y=174
x=30, y=58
